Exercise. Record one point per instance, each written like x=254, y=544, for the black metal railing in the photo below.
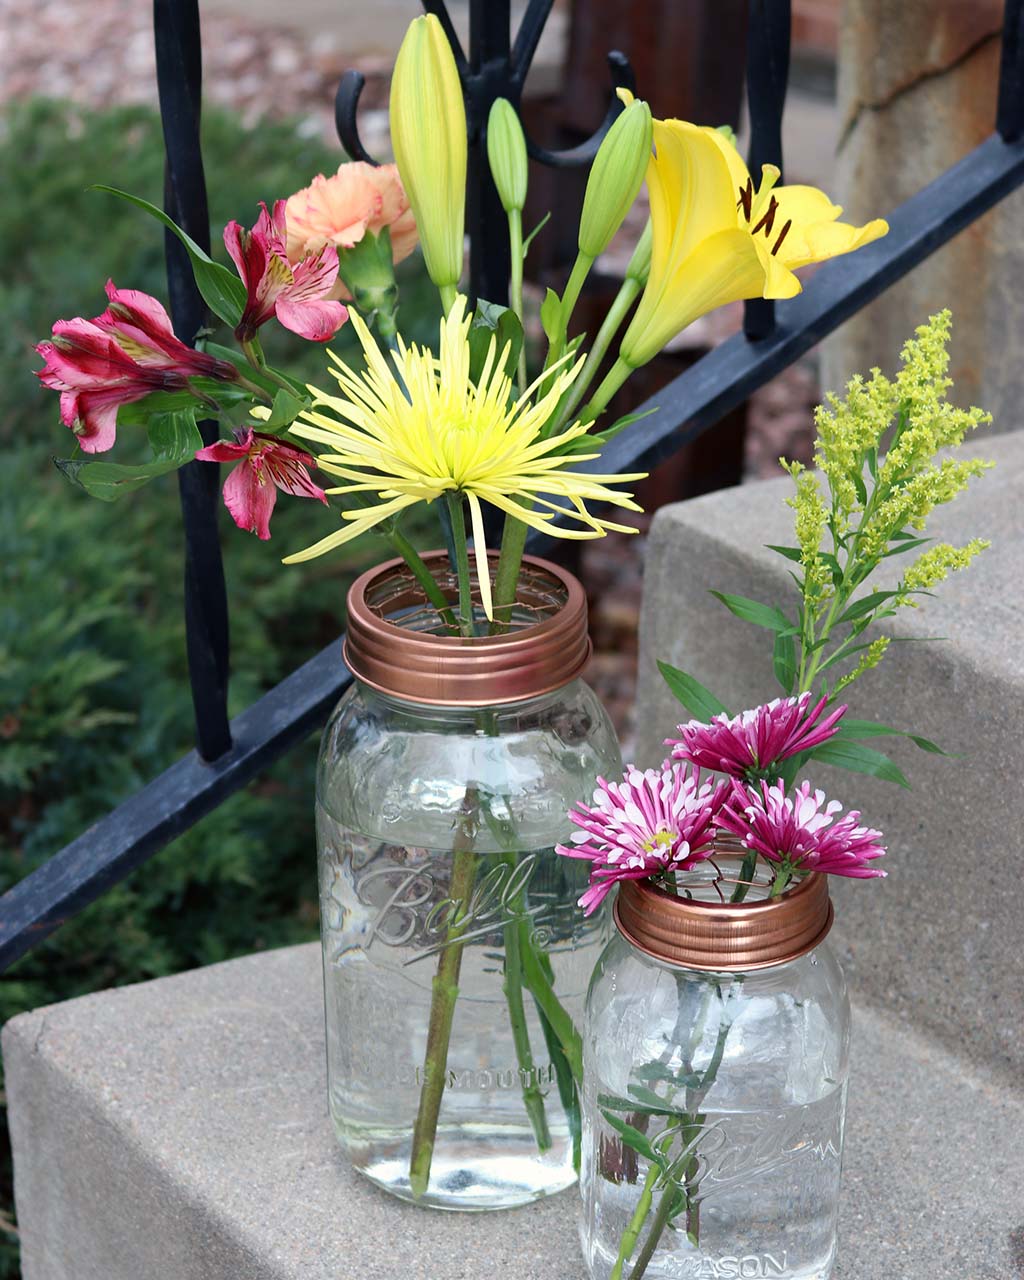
x=229, y=756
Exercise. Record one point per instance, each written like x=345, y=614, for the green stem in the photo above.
x=515, y=240
x=568, y=1094
x=617, y=312
x=424, y=577
x=449, y=292
x=746, y=874
x=458, y=523
x=577, y=277
x=613, y=380
x=632, y=1232
x=660, y=1221
x=780, y=882
x=506, y=580
x=533, y=1099
x=254, y=354
x=445, y=990
x=539, y=984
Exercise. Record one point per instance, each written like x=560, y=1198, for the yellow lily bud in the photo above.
x=428, y=136
x=506, y=154
x=615, y=178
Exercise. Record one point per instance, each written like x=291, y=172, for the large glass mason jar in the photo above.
x=456, y=961
x=715, y=1064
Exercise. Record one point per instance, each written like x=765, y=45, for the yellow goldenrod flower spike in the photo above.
x=420, y=428
x=716, y=239
x=428, y=136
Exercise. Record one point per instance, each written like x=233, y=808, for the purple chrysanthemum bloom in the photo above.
x=754, y=742
x=651, y=821
x=798, y=833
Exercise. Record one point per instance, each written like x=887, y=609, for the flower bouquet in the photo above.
x=454, y=963
x=715, y=1049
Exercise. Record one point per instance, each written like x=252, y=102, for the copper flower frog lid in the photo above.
x=396, y=643
x=724, y=937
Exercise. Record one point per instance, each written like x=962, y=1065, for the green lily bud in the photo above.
x=506, y=154
x=428, y=136
x=615, y=178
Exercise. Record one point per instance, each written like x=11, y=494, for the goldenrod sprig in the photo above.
x=876, y=504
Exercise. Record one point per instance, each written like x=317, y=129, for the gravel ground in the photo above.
x=101, y=53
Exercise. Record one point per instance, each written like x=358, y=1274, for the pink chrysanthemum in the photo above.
x=755, y=741
x=798, y=833
x=649, y=822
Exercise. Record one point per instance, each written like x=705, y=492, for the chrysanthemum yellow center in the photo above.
x=660, y=840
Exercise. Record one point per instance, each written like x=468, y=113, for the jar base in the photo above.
x=476, y=1174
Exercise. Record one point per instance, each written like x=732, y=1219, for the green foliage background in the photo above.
x=94, y=697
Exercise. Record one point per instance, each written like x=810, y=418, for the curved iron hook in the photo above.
x=346, y=102
x=623, y=77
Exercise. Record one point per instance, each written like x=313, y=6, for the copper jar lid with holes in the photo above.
x=724, y=937
x=397, y=644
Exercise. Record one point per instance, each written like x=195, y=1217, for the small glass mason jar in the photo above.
x=456, y=961
x=715, y=1066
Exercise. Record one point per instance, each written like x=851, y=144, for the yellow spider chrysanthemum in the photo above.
x=415, y=431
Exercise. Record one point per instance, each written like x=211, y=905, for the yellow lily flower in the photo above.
x=717, y=240
x=421, y=428
x=428, y=136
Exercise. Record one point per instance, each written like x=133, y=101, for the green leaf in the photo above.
x=551, y=318
x=700, y=702
x=784, y=660
x=529, y=239
x=174, y=438
x=634, y=1138
x=855, y=729
x=501, y=324
x=761, y=615
x=858, y=759
x=607, y=1101
x=285, y=410
x=791, y=553
x=222, y=290
x=657, y=1071
x=907, y=544
x=596, y=439
x=861, y=487
x=867, y=604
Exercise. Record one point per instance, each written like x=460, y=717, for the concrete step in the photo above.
x=177, y=1130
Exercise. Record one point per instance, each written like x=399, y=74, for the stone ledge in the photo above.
x=177, y=1130
x=938, y=942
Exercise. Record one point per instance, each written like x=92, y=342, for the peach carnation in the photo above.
x=341, y=209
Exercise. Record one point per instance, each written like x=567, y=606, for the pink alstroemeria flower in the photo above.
x=296, y=295
x=95, y=377
x=265, y=464
x=651, y=821
x=120, y=356
x=798, y=833
x=142, y=329
x=755, y=741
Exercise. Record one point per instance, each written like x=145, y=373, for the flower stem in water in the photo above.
x=533, y=1099
x=445, y=991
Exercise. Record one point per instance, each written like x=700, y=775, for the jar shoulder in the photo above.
x=532, y=761
x=785, y=1028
